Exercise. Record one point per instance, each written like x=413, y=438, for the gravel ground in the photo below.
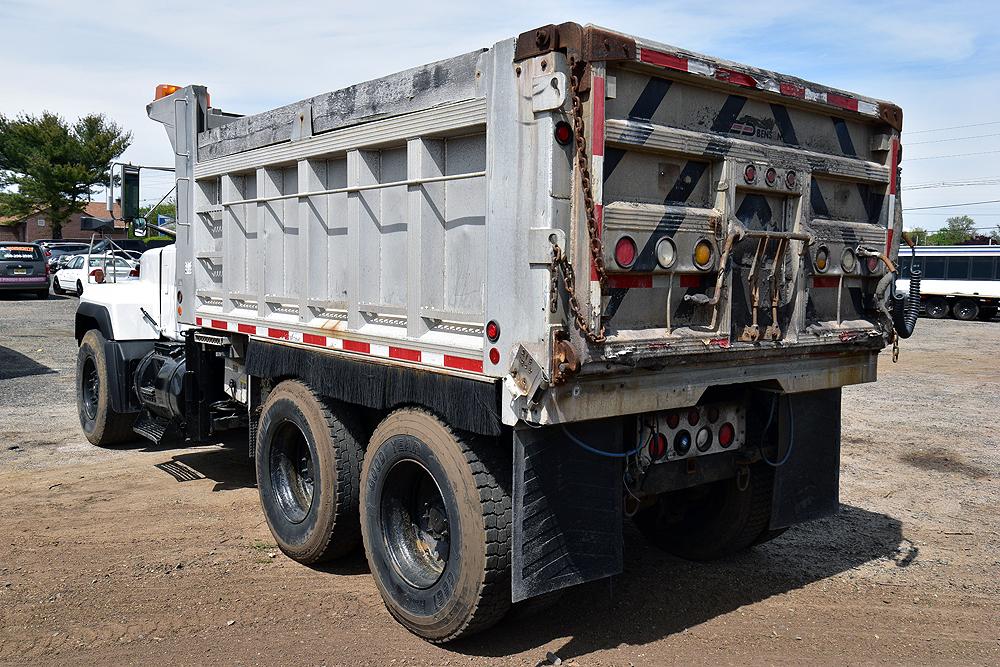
x=155, y=556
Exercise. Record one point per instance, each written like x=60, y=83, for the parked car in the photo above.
x=59, y=253
x=23, y=269
x=82, y=270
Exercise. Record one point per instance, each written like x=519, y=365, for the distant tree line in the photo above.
x=958, y=230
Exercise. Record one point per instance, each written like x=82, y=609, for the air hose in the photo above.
x=905, y=308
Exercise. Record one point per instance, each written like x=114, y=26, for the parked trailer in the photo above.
x=477, y=312
x=962, y=281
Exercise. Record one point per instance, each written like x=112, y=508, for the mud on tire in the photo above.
x=101, y=424
x=436, y=520
x=308, y=458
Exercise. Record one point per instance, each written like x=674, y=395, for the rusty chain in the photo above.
x=560, y=263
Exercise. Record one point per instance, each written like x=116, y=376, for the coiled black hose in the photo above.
x=905, y=308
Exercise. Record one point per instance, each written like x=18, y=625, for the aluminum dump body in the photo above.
x=393, y=219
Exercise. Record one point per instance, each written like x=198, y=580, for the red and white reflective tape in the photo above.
x=785, y=88
x=367, y=348
x=650, y=280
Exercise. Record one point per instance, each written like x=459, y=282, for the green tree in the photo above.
x=919, y=235
x=167, y=208
x=995, y=235
x=50, y=166
x=957, y=230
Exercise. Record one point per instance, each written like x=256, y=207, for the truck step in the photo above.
x=150, y=427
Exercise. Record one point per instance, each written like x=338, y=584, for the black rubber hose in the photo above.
x=905, y=308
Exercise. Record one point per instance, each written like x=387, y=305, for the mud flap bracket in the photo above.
x=567, y=508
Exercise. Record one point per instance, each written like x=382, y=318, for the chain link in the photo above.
x=560, y=263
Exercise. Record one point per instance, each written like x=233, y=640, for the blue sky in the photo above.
x=939, y=61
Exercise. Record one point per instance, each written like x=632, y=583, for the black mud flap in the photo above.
x=567, y=507
x=807, y=485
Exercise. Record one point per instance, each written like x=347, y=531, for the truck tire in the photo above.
x=101, y=424
x=965, y=310
x=713, y=520
x=936, y=308
x=436, y=520
x=308, y=460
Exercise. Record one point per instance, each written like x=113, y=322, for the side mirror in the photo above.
x=139, y=227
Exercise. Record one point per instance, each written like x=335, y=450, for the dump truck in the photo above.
x=476, y=315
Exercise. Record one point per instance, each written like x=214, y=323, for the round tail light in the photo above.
x=750, y=173
x=673, y=420
x=682, y=443
x=625, y=252
x=790, y=179
x=770, y=176
x=703, y=254
x=703, y=439
x=822, y=259
x=713, y=414
x=666, y=253
x=494, y=356
x=492, y=331
x=657, y=446
x=727, y=433
x=848, y=261
x=693, y=416
x=564, y=133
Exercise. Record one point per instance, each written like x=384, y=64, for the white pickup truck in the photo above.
x=478, y=313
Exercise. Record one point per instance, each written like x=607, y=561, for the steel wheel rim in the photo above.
x=292, y=471
x=964, y=311
x=90, y=388
x=415, y=524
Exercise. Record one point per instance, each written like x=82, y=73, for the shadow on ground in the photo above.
x=16, y=365
x=229, y=466
x=658, y=596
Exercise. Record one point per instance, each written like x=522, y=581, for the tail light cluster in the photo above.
x=772, y=177
x=706, y=429
x=626, y=253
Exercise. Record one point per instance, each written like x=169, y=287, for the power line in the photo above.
x=955, y=127
x=932, y=185
x=941, y=141
x=968, y=203
x=950, y=213
x=938, y=157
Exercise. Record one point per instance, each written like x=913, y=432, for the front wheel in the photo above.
x=965, y=310
x=712, y=520
x=436, y=521
x=101, y=424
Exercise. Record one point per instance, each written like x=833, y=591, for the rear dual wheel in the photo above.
x=308, y=458
x=936, y=308
x=965, y=310
x=712, y=520
x=436, y=521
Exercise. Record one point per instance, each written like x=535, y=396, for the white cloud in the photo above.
x=938, y=62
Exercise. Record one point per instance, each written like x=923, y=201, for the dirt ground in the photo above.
x=145, y=555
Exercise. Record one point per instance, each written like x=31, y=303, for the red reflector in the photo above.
x=726, y=434
x=313, y=339
x=625, y=252
x=564, y=133
x=673, y=420
x=826, y=281
x=492, y=331
x=690, y=281
x=356, y=346
x=693, y=416
x=218, y=324
x=657, y=446
x=494, y=356
x=404, y=354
